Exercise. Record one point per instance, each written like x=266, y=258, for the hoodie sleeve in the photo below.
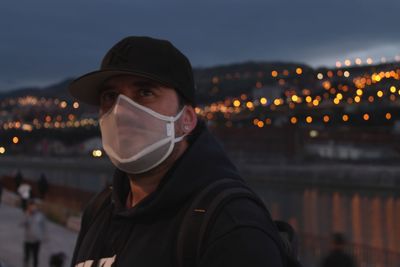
x=241, y=236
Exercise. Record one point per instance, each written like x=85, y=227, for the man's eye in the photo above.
x=146, y=92
x=109, y=97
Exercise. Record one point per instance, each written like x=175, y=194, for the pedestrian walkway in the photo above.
x=60, y=239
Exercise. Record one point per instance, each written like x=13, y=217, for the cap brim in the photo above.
x=86, y=88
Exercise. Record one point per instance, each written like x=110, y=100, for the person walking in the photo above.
x=18, y=179
x=25, y=194
x=34, y=224
x=43, y=186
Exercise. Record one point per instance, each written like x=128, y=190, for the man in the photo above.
x=1, y=190
x=338, y=256
x=43, y=186
x=164, y=157
x=35, y=232
x=25, y=194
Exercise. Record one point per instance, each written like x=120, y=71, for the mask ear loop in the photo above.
x=177, y=117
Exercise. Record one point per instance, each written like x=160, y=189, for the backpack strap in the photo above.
x=197, y=219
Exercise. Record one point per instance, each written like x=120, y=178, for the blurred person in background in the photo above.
x=25, y=194
x=338, y=257
x=18, y=179
x=43, y=186
x=35, y=233
x=1, y=190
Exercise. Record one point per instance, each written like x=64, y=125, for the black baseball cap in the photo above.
x=146, y=57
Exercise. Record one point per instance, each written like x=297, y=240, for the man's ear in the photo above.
x=189, y=119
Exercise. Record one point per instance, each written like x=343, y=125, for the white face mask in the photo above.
x=136, y=138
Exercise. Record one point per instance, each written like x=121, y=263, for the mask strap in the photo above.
x=179, y=114
x=180, y=138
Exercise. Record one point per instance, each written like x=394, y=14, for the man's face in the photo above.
x=148, y=93
x=155, y=96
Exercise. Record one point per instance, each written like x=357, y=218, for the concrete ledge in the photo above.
x=73, y=223
x=10, y=198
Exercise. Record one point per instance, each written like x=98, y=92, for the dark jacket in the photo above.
x=145, y=235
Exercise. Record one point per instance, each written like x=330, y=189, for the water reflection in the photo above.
x=370, y=220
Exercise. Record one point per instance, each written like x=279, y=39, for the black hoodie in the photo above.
x=145, y=235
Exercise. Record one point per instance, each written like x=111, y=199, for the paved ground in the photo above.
x=11, y=238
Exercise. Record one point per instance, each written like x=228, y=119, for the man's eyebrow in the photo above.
x=105, y=87
x=146, y=84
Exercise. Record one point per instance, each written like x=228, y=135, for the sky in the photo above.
x=46, y=41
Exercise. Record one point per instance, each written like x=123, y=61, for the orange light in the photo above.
x=293, y=120
x=379, y=93
x=263, y=101
x=299, y=71
x=388, y=116
x=274, y=73
x=366, y=116
x=63, y=104
x=15, y=140
x=326, y=118
x=309, y=119
x=260, y=124
x=345, y=117
x=326, y=85
x=277, y=102
x=236, y=103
